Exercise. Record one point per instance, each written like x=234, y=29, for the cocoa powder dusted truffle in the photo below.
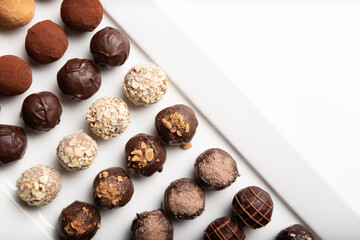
x=46, y=42
x=216, y=169
x=13, y=143
x=39, y=185
x=224, y=229
x=184, y=199
x=15, y=75
x=113, y=188
x=145, y=155
x=154, y=225
x=296, y=232
x=79, y=221
x=14, y=14
x=253, y=207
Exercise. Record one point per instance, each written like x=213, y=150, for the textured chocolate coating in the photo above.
x=79, y=221
x=224, y=229
x=41, y=111
x=13, y=143
x=184, y=199
x=79, y=79
x=145, y=155
x=176, y=125
x=216, y=169
x=113, y=188
x=296, y=232
x=154, y=225
x=110, y=47
x=253, y=206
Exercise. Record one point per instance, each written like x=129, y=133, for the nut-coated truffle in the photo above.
x=184, y=199
x=41, y=111
x=253, y=207
x=296, y=232
x=13, y=143
x=14, y=14
x=79, y=221
x=145, y=155
x=224, y=229
x=46, y=42
x=15, y=75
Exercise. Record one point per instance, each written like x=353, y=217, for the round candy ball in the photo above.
x=14, y=14
x=253, y=206
x=39, y=185
x=13, y=143
x=46, y=42
x=224, y=229
x=296, y=232
x=145, y=84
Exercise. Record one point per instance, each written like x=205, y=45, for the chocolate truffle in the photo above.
x=41, y=111
x=79, y=221
x=154, y=225
x=110, y=47
x=184, y=199
x=145, y=84
x=145, y=155
x=253, y=206
x=77, y=151
x=108, y=117
x=224, y=229
x=39, y=185
x=81, y=15
x=14, y=14
x=46, y=42
x=79, y=79
x=176, y=125
x=113, y=188
x=15, y=75
x=216, y=169
x=13, y=143
x=296, y=232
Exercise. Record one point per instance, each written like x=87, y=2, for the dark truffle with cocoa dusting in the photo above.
x=224, y=229
x=145, y=155
x=79, y=221
x=113, y=188
x=176, y=125
x=13, y=143
x=216, y=169
x=154, y=225
x=184, y=199
x=296, y=232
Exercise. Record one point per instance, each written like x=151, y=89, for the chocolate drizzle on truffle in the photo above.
x=13, y=143
x=224, y=229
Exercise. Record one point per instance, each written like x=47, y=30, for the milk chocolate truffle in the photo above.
x=46, y=42
x=79, y=221
x=113, y=188
x=216, y=169
x=110, y=47
x=253, y=206
x=14, y=14
x=154, y=225
x=39, y=185
x=108, y=117
x=296, y=232
x=79, y=79
x=184, y=199
x=15, y=75
x=176, y=125
x=224, y=229
x=41, y=111
x=13, y=143
x=81, y=15
x=145, y=155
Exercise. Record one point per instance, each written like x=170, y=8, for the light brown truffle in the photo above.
x=14, y=14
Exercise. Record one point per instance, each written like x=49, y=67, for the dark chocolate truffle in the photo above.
x=145, y=155
x=216, y=169
x=79, y=79
x=46, y=42
x=154, y=225
x=79, y=221
x=15, y=75
x=253, y=206
x=81, y=15
x=184, y=199
x=296, y=232
x=110, y=47
x=176, y=125
x=13, y=143
x=41, y=111
x=113, y=188
x=224, y=229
